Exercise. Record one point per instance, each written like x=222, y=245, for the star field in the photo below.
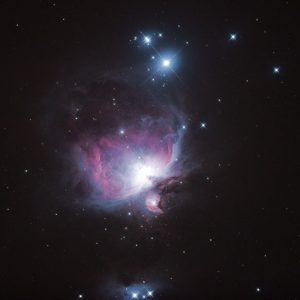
x=149, y=151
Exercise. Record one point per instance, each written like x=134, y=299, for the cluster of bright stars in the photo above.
x=165, y=62
x=136, y=295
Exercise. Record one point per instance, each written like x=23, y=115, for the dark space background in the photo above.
x=237, y=234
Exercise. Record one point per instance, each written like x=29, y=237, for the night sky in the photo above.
x=149, y=150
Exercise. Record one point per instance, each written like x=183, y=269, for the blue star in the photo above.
x=147, y=40
x=166, y=63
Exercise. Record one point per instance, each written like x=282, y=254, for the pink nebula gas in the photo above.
x=122, y=166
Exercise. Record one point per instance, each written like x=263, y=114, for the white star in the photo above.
x=160, y=34
x=122, y=131
x=150, y=293
x=134, y=295
x=203, y=125
x=276, y=70
x=232, y=37
x=258, y=289
x=166, y=63
x=80, y=296
x=147, y=40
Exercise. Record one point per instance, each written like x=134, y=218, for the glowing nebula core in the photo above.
x=123, y=164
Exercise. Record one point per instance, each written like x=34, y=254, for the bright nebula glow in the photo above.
x=144, y=173
x=152, y=202
x=123, y=166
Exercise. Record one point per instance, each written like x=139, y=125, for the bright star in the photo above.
x=203, y=125
x=80, y=296
x=183, y=127
x=147, y=40
x=166, y=63
x=150, y=293
x=134, y=295
x=276, y=70
x=258, y=289
x=160, y=34
x=232, y=37
x=122, y=131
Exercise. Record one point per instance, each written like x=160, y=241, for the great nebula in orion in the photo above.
x=124, y=144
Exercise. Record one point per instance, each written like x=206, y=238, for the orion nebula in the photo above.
x=126, y=145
